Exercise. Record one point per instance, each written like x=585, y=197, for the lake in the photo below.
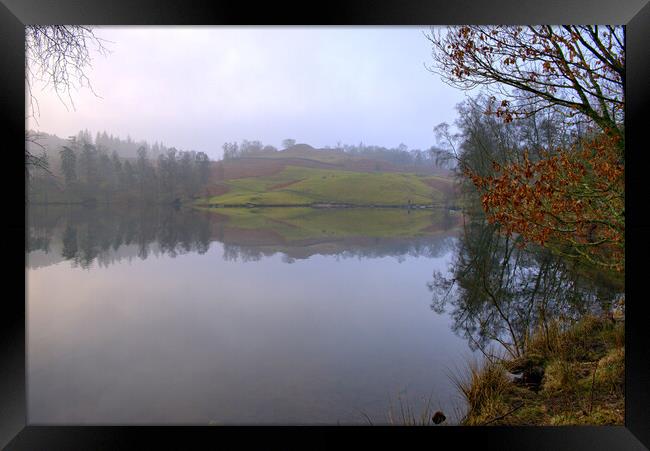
x=238, y=316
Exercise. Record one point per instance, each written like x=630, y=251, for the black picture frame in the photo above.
x=15, y=434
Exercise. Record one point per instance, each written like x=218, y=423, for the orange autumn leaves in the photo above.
x=572, y=201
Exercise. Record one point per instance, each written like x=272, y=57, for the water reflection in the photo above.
x=106, y=236
x=209, y=323
x=498, y=292
x=226, y=332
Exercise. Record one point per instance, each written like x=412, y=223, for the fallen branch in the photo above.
x=504, y=415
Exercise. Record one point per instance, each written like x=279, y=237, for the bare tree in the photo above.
x=579, y=69
x=31, y=159
x=57, y=56
x=576, y=72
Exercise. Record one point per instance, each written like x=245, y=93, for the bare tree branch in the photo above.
x=57, y=57
x=579, y=69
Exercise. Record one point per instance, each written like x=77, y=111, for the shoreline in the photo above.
x=574, y=376
x=327, y=205
x=315, y=205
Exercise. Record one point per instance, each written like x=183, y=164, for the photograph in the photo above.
x=325, y=225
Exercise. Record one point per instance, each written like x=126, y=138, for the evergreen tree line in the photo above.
x=87, y=172
x=127, y=148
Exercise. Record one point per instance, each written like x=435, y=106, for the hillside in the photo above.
x=302, y=175
x=305, y=185
x=266, y=163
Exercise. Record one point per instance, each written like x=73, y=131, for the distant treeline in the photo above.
x=400, y=155
x=126, y=148
x=79, y=171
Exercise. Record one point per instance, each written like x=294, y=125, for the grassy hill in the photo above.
x=301, y=185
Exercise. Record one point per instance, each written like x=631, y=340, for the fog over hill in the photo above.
x=326, y=84
x=51, y=144
x=107, y=168
x=360, y=157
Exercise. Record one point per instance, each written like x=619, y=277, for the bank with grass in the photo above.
x=570, y=374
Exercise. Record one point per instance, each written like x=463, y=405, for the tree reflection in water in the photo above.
x=498, y=294
x=107, y=235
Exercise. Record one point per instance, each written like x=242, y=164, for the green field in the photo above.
x=303, y=185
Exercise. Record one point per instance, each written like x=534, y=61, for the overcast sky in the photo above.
x=197, y=87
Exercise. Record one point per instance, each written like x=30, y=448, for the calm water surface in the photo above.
x=192, y=317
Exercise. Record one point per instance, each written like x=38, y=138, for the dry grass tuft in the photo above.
x=484, y=388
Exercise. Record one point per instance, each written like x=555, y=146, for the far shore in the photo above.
x=325, y=205
x=318, y=205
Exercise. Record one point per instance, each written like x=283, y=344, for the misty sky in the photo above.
x=197, y=87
